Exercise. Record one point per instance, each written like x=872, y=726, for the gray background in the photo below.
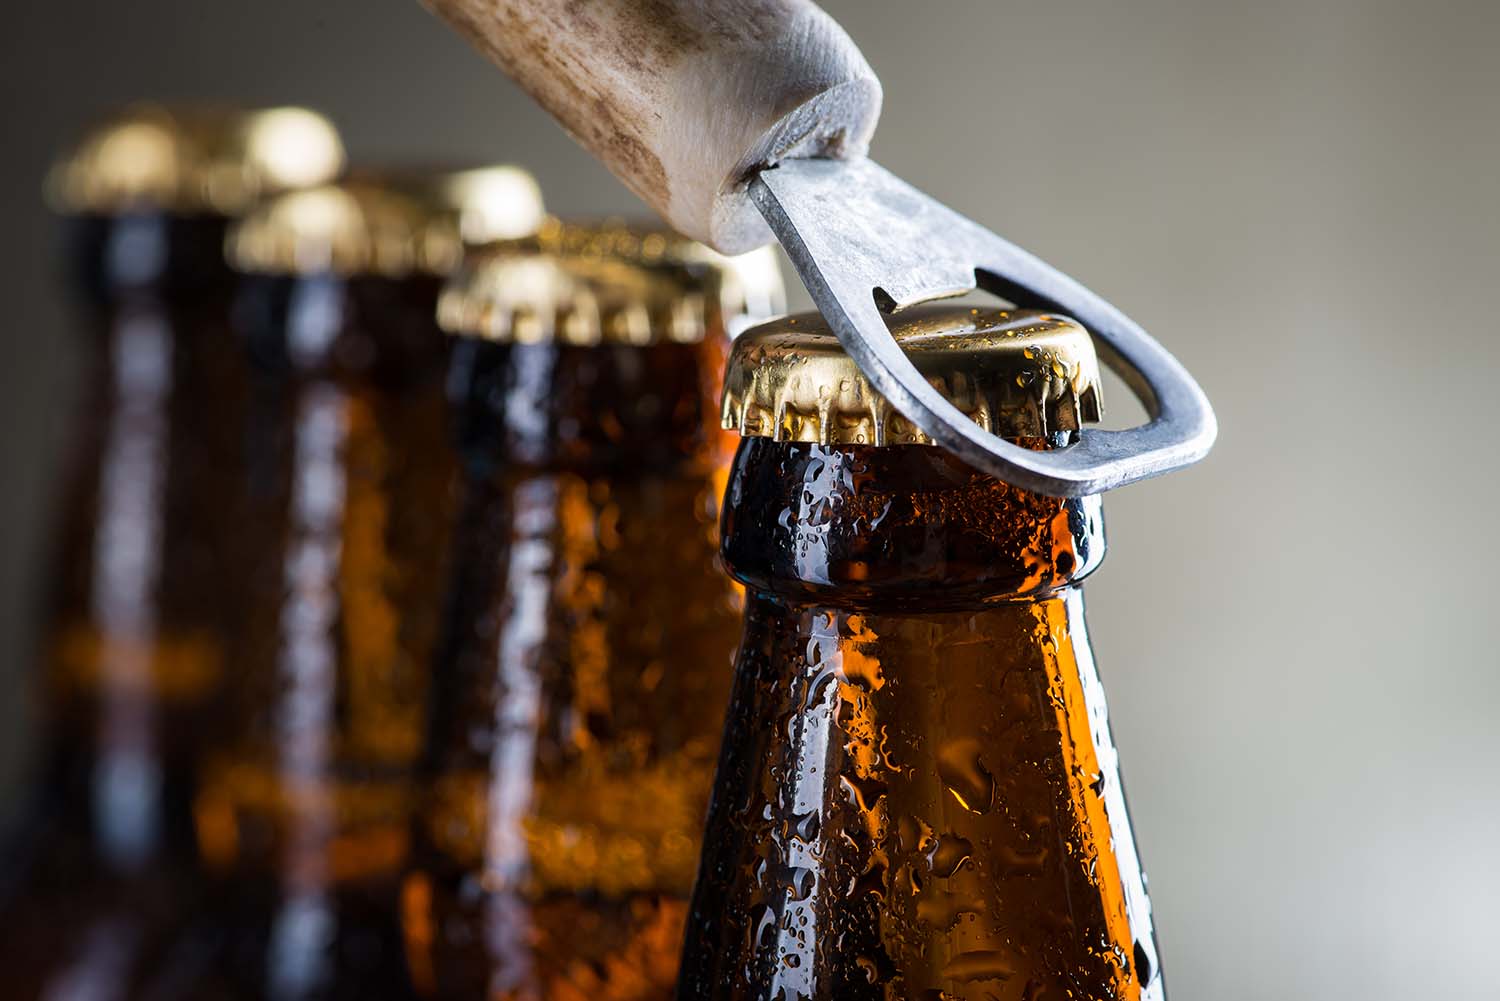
x=1298, y=197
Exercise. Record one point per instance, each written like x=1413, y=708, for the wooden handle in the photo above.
x=684, y=99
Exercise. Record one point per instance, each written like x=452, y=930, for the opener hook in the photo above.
x=860, y=238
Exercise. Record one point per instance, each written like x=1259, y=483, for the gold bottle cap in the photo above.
x=607, y=282
x=1015, y=373
x=190, y=161
x=392, y=224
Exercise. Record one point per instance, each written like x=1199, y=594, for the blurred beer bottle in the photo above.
x=582, y=680
x=136, y=611
x=303, y=810
x=917, y=796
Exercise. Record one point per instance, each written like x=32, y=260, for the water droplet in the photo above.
x=764, y=920
x=943, y=910
x=914, y=833
x=979, y=965
x=862, y=793
x=965, y=775
x=950, y=853
x=1144, y=970
x=805, y=826
x=800, y=882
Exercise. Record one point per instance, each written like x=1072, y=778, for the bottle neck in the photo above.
x=616, y=409
x=578, y=699
x=172, y=258
x=374, y=331
x=569, y=686
x=906, y=526
x=134, y=647
x=567, y=634
x=346, y=492
x=909, y=799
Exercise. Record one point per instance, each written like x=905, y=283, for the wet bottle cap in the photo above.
x=607, y=282
x=391, y=224
x=193, y=161
x=1016, y=373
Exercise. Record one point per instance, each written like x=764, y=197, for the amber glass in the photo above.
x=97, y=879
x=304, y=808
x=582, y=679
x=917, y=797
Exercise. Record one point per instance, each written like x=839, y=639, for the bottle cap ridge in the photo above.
x=1016, y=373
x=389, y=224
x=186, y=160
x=592, y=283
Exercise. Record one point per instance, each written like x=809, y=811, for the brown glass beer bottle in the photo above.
x=582, y=681
x=135, y=615
x=302, y=813
x=917, y=796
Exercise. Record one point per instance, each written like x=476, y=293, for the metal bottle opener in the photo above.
x=719, y=112
x=862, y=240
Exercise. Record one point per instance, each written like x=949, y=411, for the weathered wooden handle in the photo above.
x=684, y=99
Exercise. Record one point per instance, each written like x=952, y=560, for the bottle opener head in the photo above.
x=867, y=243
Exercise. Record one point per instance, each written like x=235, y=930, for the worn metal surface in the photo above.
x=863, y=240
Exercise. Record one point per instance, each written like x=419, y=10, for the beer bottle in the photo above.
x=917, y=795
x=302, y=811
x=581, y=684
x=133, y=637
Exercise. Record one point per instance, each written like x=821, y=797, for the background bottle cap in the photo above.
x=590, y=283
x=1016, y=373
x=215, y=161
x=390, y=224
